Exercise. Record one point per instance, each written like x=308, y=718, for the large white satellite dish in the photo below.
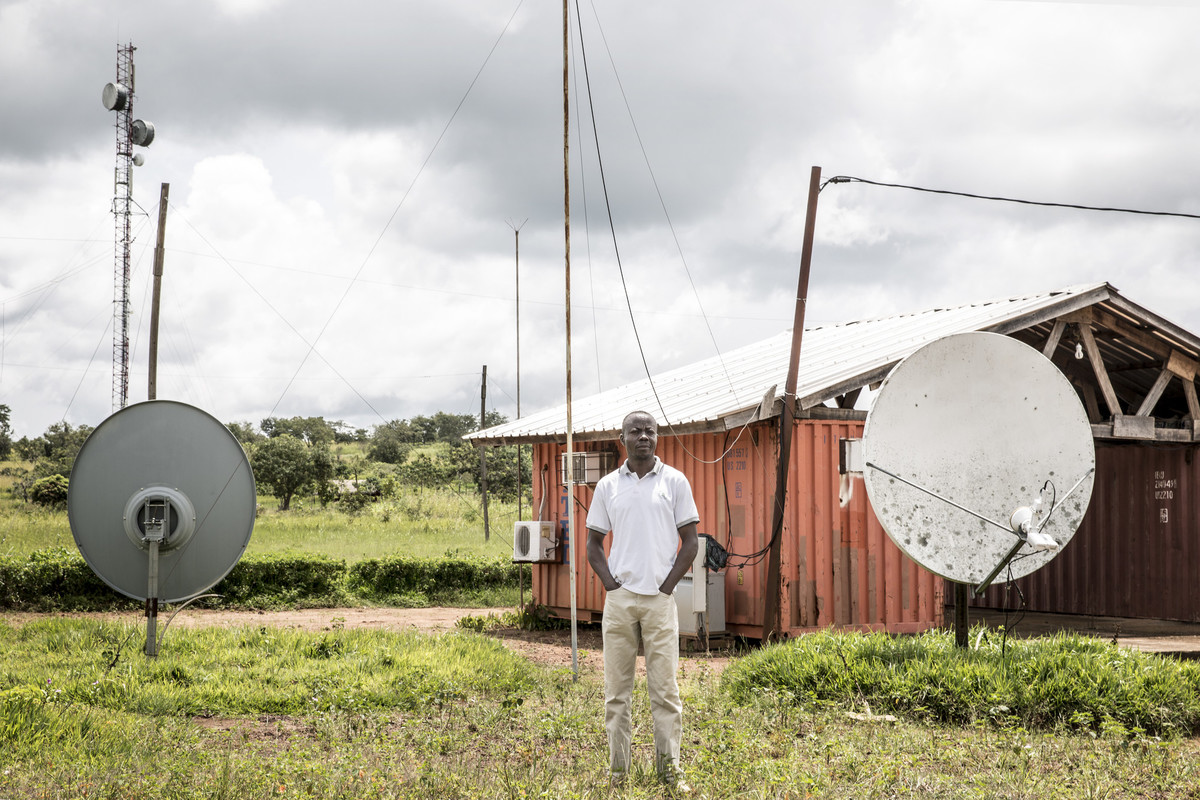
x=161, y=501
x=979, y=458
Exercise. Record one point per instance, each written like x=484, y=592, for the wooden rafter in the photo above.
x=1093, y=353
x=1151, y=398
x=1056, y=333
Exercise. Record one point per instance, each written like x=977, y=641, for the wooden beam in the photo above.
x=825, y=412
x=1166, y=330
x=1181, y=365
x=1093, y=352
x=849, y=398
x=1132, y=334
x=1089, y=402
x=1151, y=398
x=1055, y=335
x=1189, y=391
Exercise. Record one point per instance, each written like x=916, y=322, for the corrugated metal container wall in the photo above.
x=838, y=567
x=1137, y=552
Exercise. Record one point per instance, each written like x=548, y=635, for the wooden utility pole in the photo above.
x=483, y=487
x=152, y=388
x=771, y=590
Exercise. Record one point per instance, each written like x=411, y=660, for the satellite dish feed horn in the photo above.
x=979, y=459
x=161, y=504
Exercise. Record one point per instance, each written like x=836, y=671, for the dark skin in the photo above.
x=639, y=436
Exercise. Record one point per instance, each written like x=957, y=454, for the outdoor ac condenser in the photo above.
x=534, y=541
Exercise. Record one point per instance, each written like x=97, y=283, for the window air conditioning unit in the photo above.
x=590, y=466
x=534, y=541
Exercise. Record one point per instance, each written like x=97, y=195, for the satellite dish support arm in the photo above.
x=1021, y=533
x=934, y=494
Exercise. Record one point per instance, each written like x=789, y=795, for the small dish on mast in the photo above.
x=978, y=458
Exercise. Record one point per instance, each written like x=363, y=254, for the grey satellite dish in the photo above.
x=114, y=96
x=161, y=501
x=979, y=458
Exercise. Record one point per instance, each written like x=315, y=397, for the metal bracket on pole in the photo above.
x=155, y=518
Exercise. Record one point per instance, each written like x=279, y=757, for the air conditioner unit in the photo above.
x=534, y=541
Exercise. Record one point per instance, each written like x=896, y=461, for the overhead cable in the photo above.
x=852, y=179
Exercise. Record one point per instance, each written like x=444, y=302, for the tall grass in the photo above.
x=1062, y=680
x=350, y=714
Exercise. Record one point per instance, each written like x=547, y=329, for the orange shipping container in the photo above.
x=838, y=566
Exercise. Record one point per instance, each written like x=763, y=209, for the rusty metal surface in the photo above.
x=1137, y=552
x=839, y=568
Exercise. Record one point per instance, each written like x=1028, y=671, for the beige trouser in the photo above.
x=652, y=619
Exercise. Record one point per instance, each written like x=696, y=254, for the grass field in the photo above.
x=261, y=712
x=256, y=712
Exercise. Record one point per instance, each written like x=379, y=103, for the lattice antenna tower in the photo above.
x=118, y=97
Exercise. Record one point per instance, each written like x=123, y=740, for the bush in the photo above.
x=1064, y=680
x=50, y=491
x=431, y=581
x=59, y=579
x=279, y=581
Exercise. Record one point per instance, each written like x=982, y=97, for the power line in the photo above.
x=852, y=179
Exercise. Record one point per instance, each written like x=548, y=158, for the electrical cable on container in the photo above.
x=852, y=179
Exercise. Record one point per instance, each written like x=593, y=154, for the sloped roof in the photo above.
x=723, y=391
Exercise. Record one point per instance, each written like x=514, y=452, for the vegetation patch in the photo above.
x=254, y=712
x=1066, y=680
x=89, y=664
x=60, y=580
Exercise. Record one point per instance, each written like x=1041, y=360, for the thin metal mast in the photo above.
x=573, y=533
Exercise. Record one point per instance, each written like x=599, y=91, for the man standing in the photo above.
x=650, y=510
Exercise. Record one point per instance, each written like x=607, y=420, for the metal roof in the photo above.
x=725, y=390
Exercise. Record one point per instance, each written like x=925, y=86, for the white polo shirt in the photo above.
x=644, y=515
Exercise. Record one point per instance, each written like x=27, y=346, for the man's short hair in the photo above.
x=633, y=414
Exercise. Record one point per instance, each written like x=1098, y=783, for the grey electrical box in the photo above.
x=715, y=598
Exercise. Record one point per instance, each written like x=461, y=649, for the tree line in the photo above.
x=292, y=457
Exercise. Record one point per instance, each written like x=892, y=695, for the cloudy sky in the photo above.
x=345, y=179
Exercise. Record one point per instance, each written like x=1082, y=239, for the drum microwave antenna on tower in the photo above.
x=978, y=460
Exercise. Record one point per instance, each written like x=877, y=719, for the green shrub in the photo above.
x=50, y=491
x=434, y=579
x=1064, y=680
x=58, y=579
x=288, y=580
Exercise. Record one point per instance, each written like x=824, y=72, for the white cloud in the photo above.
x=289, y=143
